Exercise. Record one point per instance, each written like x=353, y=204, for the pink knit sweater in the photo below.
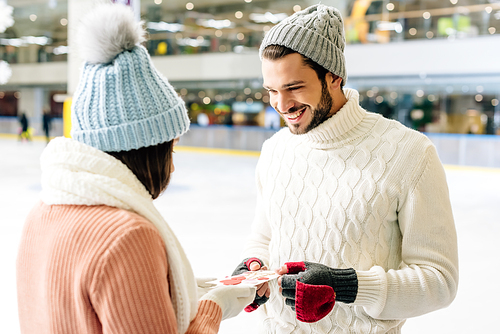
x=97, y=269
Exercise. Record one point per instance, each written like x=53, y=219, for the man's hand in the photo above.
x=263, y=291
x=311, y=289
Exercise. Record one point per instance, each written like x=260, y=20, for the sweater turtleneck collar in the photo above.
x=345, y=124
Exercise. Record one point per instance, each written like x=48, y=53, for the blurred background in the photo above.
x=430, y=64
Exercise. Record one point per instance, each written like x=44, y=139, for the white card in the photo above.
x=248, y=277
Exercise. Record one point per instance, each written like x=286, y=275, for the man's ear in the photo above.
x=334, y=82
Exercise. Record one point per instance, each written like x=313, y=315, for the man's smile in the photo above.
x=295, y=115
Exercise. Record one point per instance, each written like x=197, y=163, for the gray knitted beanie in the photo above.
x=122, y=102
x=316, y=32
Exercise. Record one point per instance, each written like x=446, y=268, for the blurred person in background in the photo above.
x=353, y=209
x=24, y=130
x=46, y=123
x=95, y=255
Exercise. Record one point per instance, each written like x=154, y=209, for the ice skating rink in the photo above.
x=210, y=204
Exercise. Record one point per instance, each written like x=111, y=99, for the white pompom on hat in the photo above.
x=122, y=102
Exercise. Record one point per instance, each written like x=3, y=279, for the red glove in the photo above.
x=312, y=289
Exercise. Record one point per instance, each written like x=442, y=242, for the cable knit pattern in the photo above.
x=364, y=192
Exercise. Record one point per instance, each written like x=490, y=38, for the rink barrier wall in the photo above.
x=453, y=149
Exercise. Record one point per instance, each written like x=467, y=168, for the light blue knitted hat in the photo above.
x=122, y=102
x=317, y=33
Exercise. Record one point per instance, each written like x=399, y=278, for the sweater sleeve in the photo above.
x=130, y=290
x=428, y=277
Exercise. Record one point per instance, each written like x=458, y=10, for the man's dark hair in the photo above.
x=275, y=52
x=151, y=165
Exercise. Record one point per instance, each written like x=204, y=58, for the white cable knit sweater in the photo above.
x=364, y=192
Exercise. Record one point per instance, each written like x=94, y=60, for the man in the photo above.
x=353, y=209
x=46, y=120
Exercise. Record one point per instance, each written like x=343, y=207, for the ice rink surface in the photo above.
x=209, y=205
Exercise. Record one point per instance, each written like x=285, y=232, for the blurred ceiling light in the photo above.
x=412, y=31
x=158, y=2
x=370, y=93
x=258, y=95
x=417, y=114
x=426, y=15
x=217, y=24
x=222, y=48
x=184, y=91
x=218, y=33
x=453, y=2
x=238, y=15
x=6, y=19
x=25, y=40
x=200, y=39
x=206, y=100
x=189, y=6
x=249, y=100
x=201, y=94
x=429, y=34
x=268, y=17
x=164, y=26
x=297, y=8
x=247, y=91
x=488, y=9
x=390, y=6
x=472, y=112
x=431, y=98
x=61, y=50
x=42, y=40
x=192, y=42
x=420, y=93
x=64, y=22
x=379, y=99
x=5, y=73
x=492, y=30
x=478, y=97
x=494, y=102
x=479, y=89
x=386, y=26
x=33, y=17
x=248, y=1
x=240, y=36
x=238, y=49
x=394, y=95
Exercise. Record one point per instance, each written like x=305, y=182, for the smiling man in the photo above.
x=353, y=209
x=303, y=97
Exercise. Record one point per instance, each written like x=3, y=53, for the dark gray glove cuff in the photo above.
x=345, y=285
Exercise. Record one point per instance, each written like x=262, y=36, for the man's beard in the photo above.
x=320, y=113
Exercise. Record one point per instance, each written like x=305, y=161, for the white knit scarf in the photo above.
x=78, y=174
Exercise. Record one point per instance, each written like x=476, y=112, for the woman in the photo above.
x=96, y=256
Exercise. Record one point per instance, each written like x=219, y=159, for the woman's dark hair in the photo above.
x=152, y=165
x=275, y=52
